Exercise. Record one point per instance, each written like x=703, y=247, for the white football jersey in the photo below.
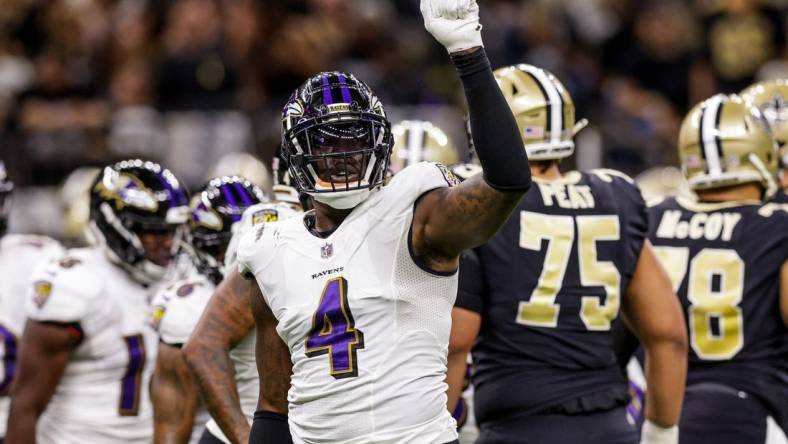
x=19, y=255
x=367, y=328
x=176, y=310
x=102, y=396
x=242, y=354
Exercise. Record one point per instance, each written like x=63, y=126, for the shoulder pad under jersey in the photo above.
x=398, y=196
x=64, y=290
x=177, y=309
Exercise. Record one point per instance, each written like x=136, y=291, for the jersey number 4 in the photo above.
x=710, y=304
x=333, y=331
x=559, y=231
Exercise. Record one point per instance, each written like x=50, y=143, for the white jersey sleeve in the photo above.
x=398, y=197
x=60, y=291
x=254, y=216
x=19, y=255
x=177, y=308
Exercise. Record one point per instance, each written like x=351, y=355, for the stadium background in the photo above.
x=187, y=82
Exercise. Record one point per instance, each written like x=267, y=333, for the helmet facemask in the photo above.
x=122, y=237
x=208, y=250
x=215, y=213
x=339, y=156
x=6, y=187
x=336, y=140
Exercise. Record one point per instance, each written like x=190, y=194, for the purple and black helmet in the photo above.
x=131, y=197
x=335, y=135
x=214, y=210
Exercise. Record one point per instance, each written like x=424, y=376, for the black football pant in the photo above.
x=603, y=427
x=721, y=415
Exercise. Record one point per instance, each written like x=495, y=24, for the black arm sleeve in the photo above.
x=270, y=427
x=493, y=128
x=471, y=287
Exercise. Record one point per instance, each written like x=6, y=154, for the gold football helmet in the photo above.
x=244, y=165
x=771, y=99
x=418, y=140
x=662, y=181
x=723, y=142
x=543, y=109
x=75, y=195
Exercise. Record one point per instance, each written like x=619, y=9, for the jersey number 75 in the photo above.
x=541, y=309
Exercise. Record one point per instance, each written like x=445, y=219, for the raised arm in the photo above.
x=449, y=220
x=43, y=356
x=275, y=368
x=174, y=397
x=653, y=312
x=226, y=320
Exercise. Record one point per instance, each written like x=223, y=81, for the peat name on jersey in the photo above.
x=566, y=195
x=701, y=225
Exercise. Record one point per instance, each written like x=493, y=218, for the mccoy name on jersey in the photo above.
x=367, y=328
x=102, y=396
x=19, y=256
x=724, y=261
x=548, y=287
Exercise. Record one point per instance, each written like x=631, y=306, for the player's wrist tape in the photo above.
x=493, y=128
x=270, y=427
x=653, y=433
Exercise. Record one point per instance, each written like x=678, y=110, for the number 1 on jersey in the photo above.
x=333, y=331
x=8, y=347
x=131, y=383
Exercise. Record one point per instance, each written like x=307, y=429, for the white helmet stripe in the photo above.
x=415, y=142
x=556, y=102
x=709, y=134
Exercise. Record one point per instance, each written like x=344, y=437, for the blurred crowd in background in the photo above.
x=189, y=82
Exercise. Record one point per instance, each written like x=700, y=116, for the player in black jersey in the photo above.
x=539, y=303
x=770, y=97
x=727, y=256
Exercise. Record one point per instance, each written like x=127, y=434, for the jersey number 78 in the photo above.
x=707, y=304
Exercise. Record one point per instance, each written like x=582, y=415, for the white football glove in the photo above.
x=454, y=23
x=656, y=434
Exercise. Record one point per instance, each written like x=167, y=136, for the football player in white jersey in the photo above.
x=220, y=351
x=19, y=254
x=179, y=414
x=353, y=301
x=87, y=351
x=226, y=331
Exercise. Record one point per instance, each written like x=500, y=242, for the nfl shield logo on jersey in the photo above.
x=326, y=251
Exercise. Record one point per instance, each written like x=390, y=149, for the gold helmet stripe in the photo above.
x=415, y=142
x=553, y=99
x=710, y=134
